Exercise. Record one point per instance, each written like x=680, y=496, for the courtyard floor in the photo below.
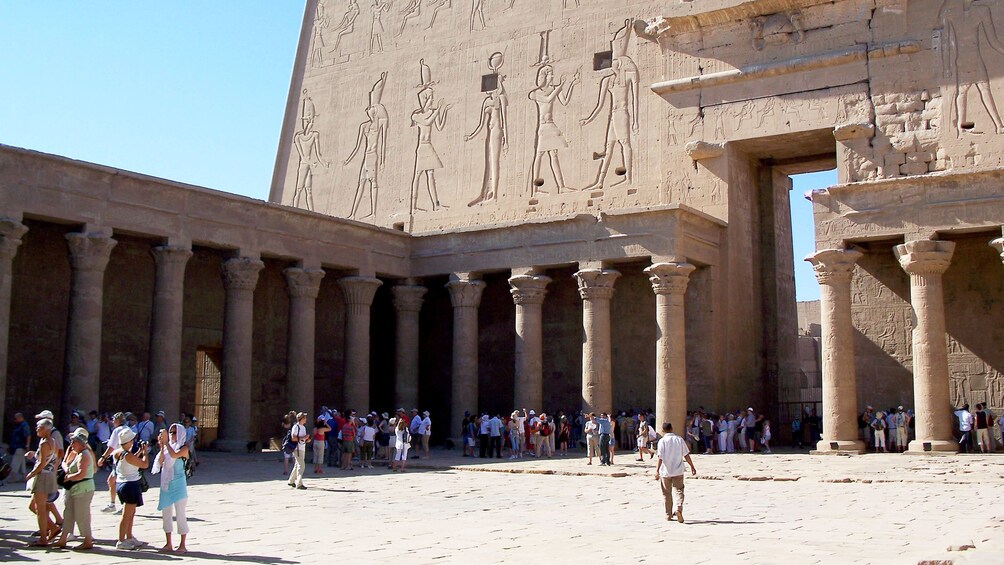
x=784, y=508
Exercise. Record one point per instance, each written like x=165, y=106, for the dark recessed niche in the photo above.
x=489, y=82
x=603, y=60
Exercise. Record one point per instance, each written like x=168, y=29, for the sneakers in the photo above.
x=108, y=508
x=301, y=487
x=118, y=512
x=126, y=545
x=136, y=542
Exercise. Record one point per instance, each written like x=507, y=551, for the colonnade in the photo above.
x=925, y=261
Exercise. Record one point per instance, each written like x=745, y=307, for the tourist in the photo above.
x=298, y=435
x=495, y=436
x=707, y=434
x=765, y=435
x=78, y=466
x=512, y=428
x=750, y=424
x=91, y=424
x=730, y=440
x=611, y=448
x=982, y=429
x=865, y=425
x=41, y=481
x=472, y=432
x=902, y=429
x=796, y=433
x=20, y=443
x=335, y=422
x=532, y=436
x=146, y=430
x=416, y=431
x=890, y=429
x=878, y=431
x=320, y=428
x=383, y=437
x=603, y=427
x=426, y=430
x=815, y=428
x=287, y=458
x=484, y=432
x=128, y=485
x=965, y=427
x=590, y=428
x=173, y=450
x=348, y=440
x=672, y=452
x=401, y=443
x=114, y=443
x=544, y=430
x=192, y=437
x=102, y=431
x=368, y=434
x=723, y=433
x=564, y=435
x=643, y=438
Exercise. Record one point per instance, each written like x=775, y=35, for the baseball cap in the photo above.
x=45, y=414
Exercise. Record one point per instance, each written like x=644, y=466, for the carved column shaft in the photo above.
x=408, y=304
x=89, y=254
x=669, y=282
x=465, y=295
x=240, y=277
x=528, y=293
x=926, y=261
x=596, y=287
x=303, y=286
x=834, y=269
x=164, y=383
x=358, y=293
x=11, y=232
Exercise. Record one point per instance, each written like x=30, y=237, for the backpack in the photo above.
x=288, y=447
x=545, y=429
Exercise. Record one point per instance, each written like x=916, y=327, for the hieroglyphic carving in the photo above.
x=493, y=117
x=549, y=138
x=777, y=29
x=317, y=42
x=379, y=8
x=478, y=13
x=958, y=387
x=347, y=25
x=439, y=5
x=427, y=116
x=966, y=29
x=619, y=84
x=564, y=4
x=372, y=138
x=995, y=387
x=412, y=10
x=307, y=142
x=544, y=53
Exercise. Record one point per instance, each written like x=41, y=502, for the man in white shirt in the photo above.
x=426, y=429
x=672, y=452
x=965, y=427
x=495, y=432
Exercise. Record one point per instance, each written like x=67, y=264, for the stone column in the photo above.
x=596, y=287
x=407, y=303
x=926, y=261
x=465, y=294
x=834, y=269
x=240, y=277
x=358, y=293
x=528, y=294
x=11, y=232
x=303, y=284
x=163, y=390
x=89, y=254
x=669, y=282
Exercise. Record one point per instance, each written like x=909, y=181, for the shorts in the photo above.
x=470, y=442
x=348, y=447
x=751, y=434
x=130, y=493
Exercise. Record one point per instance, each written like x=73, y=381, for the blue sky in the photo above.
x=185, y=90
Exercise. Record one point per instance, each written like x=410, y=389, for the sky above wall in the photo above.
x=185, y=90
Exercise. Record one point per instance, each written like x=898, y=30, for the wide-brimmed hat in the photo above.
x=126, y=435
x=45, y=415
x=79, y=434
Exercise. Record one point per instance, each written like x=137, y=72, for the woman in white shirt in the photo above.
x=128, y=487
x=401, y=446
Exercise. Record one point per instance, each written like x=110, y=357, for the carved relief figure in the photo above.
x=494, y=113
x=620, y=85
x=412, y=10
x=995, y=388
x=435, y=11
x=347, y=25
x=777, y=29
x=549, y=138
x=427, y=116
x=320, y=23
x=379, y=8
x=958, y=387
x=564, y=3
x=544, y=54
x=968, y=30
x=307, y=142
x=372, y=139
x=478, y=13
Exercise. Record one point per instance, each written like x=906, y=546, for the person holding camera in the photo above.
x=114, y=443
x=129, y=485
x=170, y=463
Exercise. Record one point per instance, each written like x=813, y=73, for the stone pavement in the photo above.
x=783, y=508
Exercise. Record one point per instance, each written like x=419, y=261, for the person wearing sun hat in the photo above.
x=41, y=480
x=128, y=485
x=79, y=467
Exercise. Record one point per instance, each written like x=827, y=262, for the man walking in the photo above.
x=672, y=452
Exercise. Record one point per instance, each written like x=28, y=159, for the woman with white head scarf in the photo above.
x=173, y=487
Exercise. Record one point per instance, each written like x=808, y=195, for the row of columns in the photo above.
x=925, y=261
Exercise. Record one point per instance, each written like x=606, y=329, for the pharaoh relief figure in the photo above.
x=320, y=24
x=307, y=142
x=427, y=161
x=412, y=10
x=436, y=8
x=967, y=31
x=549, y=138
x=372, y=139
x=478, y=13
x=493, y=117
x=619, y=85
x=378, y=9
x=347, y=25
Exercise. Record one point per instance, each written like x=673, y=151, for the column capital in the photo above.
x=241, y=273
x=171, y=254
x=89, y=251
x=529, y=289
x=408, y=298
x=465, y=292
x=596, y=283
x=833, y=266
x=303, y=283
x=11, y=232
x=670, y=278
x=359, y=290
x=998, y=244
x=925, y=256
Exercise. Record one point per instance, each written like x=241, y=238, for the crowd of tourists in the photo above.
x=126, y=445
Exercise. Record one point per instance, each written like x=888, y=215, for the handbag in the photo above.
x=143, y=484
x=61, y=479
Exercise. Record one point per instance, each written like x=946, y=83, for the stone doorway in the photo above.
x=208, y=361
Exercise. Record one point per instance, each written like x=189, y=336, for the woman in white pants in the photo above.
x=400, y=445
x=173, y=486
